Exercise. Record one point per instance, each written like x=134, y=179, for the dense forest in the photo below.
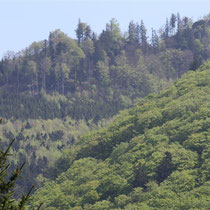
x=56, y=94
x=39, y=143
x=152, y=156
x=95, y=76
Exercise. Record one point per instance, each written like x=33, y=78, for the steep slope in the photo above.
x=153, y=156
x=51, y=92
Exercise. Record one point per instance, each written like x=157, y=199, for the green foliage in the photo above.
x=39, y=143
x=61, y=77
x=8, y=182
x=165, y=168
x=149, y=157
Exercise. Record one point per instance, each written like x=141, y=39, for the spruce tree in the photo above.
x=143, y=36
x=8, y=181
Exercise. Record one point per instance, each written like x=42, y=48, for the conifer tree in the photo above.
x=7, y=183
x=132, y=32
x=154, y=39
x=172, y=24
x=142, y=36
x=167, y=29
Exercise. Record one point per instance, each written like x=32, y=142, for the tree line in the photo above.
x=109, y=69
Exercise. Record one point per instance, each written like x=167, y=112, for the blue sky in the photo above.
x=23, y=22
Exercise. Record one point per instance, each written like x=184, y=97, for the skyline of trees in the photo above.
x=109, y=69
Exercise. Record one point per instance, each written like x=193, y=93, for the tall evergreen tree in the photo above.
x=167, y=29
x=172, y=24
x=87, y=32
x=154, y=40
x=179, y=23
x=132, y=32
x=143, y=36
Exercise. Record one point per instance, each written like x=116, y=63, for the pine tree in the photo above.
x=7, y=183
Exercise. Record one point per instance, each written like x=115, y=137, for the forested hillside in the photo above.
x=155, y=155
x=39, y=143
x=58, y=89
x=95, y=76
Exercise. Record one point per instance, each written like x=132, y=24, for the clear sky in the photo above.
x=25, y=21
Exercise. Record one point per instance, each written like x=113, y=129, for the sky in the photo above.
x=25, y=21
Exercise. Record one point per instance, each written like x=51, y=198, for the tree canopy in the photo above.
x=76, y=77
x=152, y=156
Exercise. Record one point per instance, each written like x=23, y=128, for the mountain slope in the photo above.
x=153, y=156
x=94, y=77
